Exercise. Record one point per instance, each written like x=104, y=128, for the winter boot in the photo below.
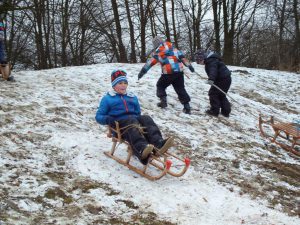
x=11, y=79
x=167, y=143
x=225, y=114
x=186, y=108
x=147, y=151
x=211, y=113
x=163, y=102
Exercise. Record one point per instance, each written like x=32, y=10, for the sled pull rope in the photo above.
x=220, y=89
x=126, y=128
x=225, y=93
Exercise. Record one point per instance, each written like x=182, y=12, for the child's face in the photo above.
x=121, y=87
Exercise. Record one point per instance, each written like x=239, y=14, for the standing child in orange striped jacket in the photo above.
x=172, y=61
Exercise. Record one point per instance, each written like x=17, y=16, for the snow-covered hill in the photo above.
x=53, y=170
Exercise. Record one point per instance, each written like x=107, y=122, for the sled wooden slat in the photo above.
x=288, y=128
x=287, y=131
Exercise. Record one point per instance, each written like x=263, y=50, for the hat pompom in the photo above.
x=200, y=54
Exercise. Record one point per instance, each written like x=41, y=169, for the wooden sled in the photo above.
x=160, y=165
x=286, y=135
x=5, y=70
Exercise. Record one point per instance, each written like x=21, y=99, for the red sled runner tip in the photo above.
x=168, y=164
x=187, y=162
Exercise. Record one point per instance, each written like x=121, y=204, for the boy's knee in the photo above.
x=145, y=119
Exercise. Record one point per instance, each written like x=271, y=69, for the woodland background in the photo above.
x=57, y=33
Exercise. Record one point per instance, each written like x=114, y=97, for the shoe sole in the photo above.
x=169, y=143
x=163, y=107
x=147, y=151
x=210, y=114
x=225, y=115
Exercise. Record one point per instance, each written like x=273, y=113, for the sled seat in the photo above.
x=291, y=129
x=290, y=132
x=158, y=165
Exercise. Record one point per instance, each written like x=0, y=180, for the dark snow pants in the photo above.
x=2, y=53
x=217, y=99
x=136, y=139
x=177, y=81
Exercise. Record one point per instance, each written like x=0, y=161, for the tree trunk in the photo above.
x=39, y=38
x=167, y=30
x=83, y=28
x=281, y=31
x=174, y=24
x=229, y=29
x=297, y=34
x=65, y=31
x=143, y=20
x=216, y=6
x=132, y=36
x=123, y=56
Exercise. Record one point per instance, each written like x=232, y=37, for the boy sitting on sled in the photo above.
x=123, y=107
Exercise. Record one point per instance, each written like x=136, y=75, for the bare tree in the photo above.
x=166, y=24
x=65, y=16
x=144, y=10
x=216, y=7
x=174, y=23
x=46, y=34
x=296, y=9
x=132, y=35
x=123, y=56
x=194, y=12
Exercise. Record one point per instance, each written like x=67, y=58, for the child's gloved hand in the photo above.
x=210, y=82
x=141, y=74
x=191, y=68
x=110, y=120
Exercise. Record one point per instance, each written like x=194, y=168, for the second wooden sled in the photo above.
x=286, y=135
x=161, y=164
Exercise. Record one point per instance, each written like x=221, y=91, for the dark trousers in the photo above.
x=2, y=52
x=138, y=140
x=217, y=99
x=177, y=81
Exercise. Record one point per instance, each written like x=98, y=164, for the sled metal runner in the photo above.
x=289, y=133
x=158, y=165
x=5, y=70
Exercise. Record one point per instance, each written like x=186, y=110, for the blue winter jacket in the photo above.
x=117, y=106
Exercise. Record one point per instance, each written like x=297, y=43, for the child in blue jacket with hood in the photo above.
x=123, y=107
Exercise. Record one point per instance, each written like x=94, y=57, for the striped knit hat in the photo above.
x=118, y=76
x=156, y=41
